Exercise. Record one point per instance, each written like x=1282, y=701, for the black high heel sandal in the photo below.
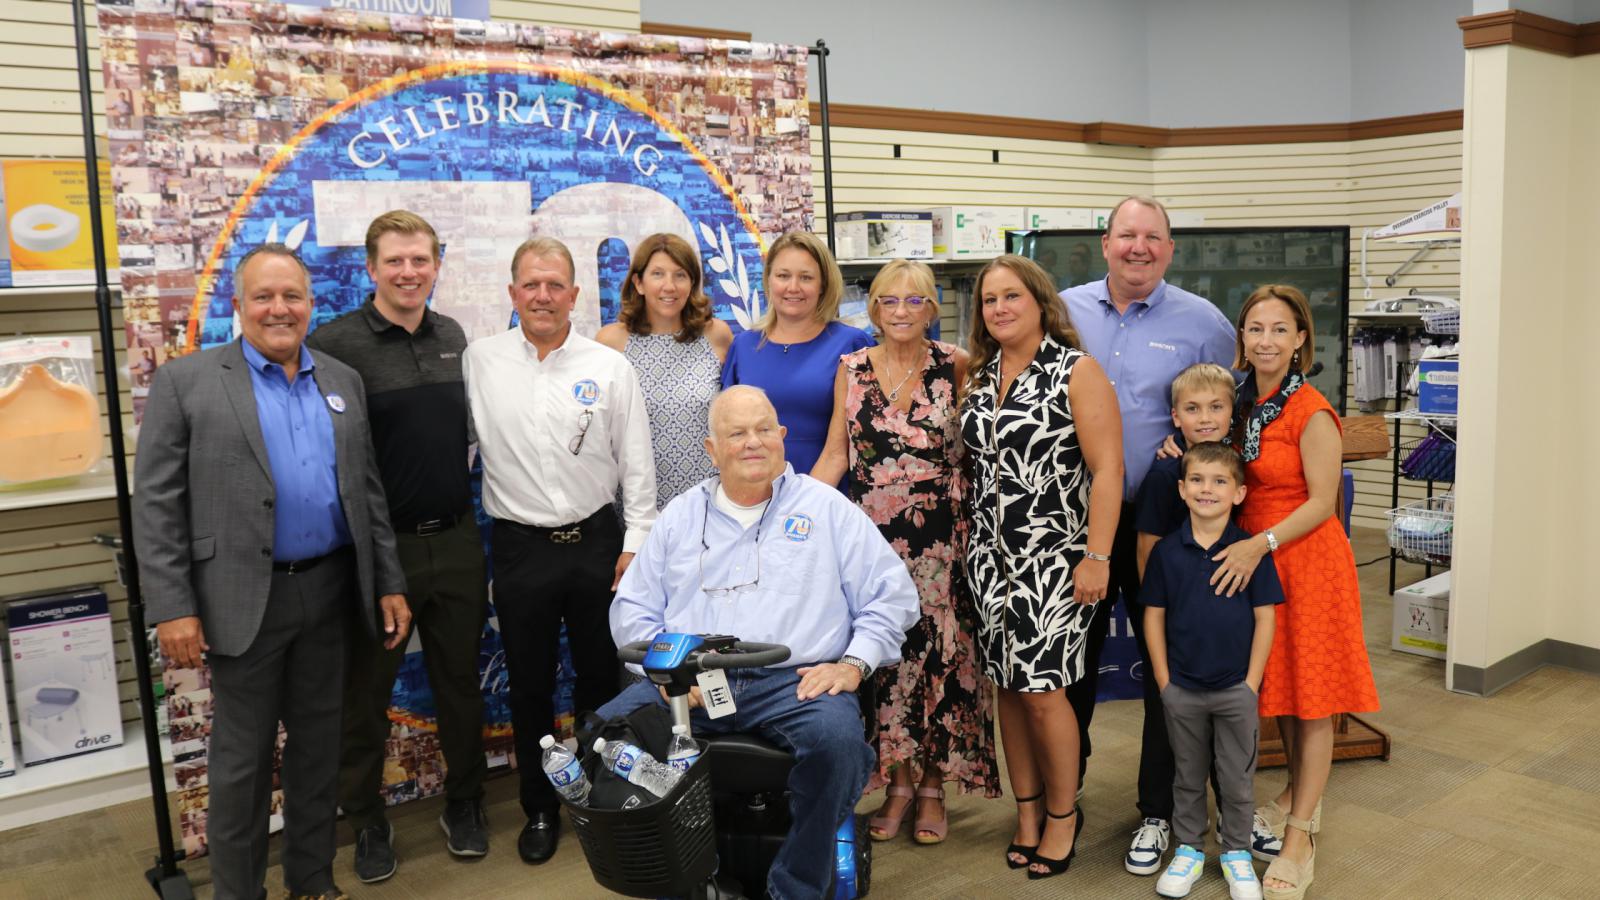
x=1057, y=866
x=1023, y=850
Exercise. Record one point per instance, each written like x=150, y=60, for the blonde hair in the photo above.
x=1148, y=202
x=832, y=287
x=1053, y=317
x=543, y=248
x=908, y=271
x=399, y=221
x=1301, y=309
x=1202, y=377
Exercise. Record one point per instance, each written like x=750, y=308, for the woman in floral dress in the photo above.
x=896, y=428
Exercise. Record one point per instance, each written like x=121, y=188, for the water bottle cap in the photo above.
x=599, y=745
x=680, y=729
x=547, y=741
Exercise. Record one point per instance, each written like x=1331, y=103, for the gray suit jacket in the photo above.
x=203, y=511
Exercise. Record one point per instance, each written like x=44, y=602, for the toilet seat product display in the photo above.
x=49, y=414
x=43, y=228
x=64, y=678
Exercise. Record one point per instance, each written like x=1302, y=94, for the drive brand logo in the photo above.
x=86, y=742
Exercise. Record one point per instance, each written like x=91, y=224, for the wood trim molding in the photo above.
x=846, y=115
x=694, y=31
x=1520, y=28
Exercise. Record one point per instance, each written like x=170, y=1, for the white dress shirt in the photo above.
x=528, y=412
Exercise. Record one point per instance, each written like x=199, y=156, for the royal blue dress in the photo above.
x=798, y=379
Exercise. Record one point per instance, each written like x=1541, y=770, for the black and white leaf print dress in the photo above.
x=1030, y=518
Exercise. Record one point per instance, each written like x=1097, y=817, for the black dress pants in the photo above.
x=543, y=577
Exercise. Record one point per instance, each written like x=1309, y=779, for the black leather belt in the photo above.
x=562, y=534
x=432, y=526
x=296, y=566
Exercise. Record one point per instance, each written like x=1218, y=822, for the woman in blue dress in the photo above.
x=794, y=353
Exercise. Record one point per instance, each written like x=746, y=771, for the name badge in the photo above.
x=336, y=403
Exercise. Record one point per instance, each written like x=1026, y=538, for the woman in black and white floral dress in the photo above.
x=1042, y=429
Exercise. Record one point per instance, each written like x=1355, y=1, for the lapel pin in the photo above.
x=336, y=403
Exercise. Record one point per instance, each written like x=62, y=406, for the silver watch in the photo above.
x=1272, y=540
x=859, y=663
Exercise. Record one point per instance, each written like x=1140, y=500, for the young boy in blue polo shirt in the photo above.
x=1207, y=654
x=1202, y=410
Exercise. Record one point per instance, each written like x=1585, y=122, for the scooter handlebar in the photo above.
x=634, y=652
x=745, y=655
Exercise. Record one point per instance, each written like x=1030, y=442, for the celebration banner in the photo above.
x=233, y=123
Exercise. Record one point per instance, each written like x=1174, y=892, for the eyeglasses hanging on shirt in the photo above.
x=584, y=418
x=705, y=547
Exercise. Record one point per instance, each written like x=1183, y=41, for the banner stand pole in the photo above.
x=165, y=878
x=821, y=51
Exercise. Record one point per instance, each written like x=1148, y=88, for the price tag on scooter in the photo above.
x=715, y=693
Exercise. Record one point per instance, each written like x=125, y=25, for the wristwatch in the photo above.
x=1272, y=540
x=860, y=665
x=1097, y=557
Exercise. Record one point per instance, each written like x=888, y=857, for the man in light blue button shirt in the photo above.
x=768, y=555
x=1143, y=332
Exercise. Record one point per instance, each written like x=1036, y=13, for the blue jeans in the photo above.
x=832, y=762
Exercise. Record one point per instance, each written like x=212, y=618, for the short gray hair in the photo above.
x=272, y=249
x=1149, y=202
x=726, y=394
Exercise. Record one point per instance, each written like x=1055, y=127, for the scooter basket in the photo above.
x=661, y=848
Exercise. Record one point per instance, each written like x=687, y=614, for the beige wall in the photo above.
x=1528, y=487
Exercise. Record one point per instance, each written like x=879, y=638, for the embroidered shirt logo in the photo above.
x=1157, y=345
x=586, y=392
x=797, y=528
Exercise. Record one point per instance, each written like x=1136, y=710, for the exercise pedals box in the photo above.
x=64, y=674
x=973, y=232
x=903, y=234
x=1421, y=617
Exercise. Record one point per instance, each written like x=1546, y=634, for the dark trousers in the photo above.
x=449, y=604
x=1217, y=731
x=1155, y=756
x=284, y=676
x=538, y=585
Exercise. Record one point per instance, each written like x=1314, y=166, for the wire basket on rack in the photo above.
x=1422, y=530
x=1443, y=321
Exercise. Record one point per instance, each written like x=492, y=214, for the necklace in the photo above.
x=895, y=394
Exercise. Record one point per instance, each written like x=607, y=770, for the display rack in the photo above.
x=1413, y=542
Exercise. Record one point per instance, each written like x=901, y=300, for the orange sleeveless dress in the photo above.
x=1319, y=664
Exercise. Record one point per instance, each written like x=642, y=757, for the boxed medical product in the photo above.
x=1437, y=380
x=64, y=674
x=1421, y=617
x=899, y=234
x=1058, y=217
x=973, y=232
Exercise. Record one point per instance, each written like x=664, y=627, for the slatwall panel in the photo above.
x=1359, y=183
x=49, y=547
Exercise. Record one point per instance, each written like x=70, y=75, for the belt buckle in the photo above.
x=430, y=527
x=294, y=566
x=566, y=536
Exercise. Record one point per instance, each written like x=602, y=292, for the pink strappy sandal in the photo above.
x=935, y=829
x=884, y=828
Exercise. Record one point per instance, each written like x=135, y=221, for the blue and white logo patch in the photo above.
x=586, y=392
x=797, y=528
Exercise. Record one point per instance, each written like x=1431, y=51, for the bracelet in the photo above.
x=1272, y=540
x=1097, y=557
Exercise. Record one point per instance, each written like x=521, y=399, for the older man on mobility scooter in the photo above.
x=773, y=556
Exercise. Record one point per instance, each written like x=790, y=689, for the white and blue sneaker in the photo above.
x=1241, y=875
x=1182, y=873
x=1149, y=843
x=1264, y=845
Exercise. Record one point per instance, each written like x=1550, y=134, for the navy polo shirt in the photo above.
x=1158, y=508
x=1208, y=637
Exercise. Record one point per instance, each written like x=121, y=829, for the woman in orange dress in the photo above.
x=1290, y=438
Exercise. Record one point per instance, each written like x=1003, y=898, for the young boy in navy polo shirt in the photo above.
x=1207, y=654
x=1202, y=409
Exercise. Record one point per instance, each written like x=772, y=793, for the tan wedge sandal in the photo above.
x=1298, y=875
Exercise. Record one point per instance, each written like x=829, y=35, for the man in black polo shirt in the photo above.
x=409, y=358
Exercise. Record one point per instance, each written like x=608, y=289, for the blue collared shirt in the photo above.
x=297, y=426
x=821, y=580
x=1142, y=350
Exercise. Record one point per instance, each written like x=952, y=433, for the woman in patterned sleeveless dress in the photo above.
x=667, y=331
x=1290, y=438
x=1042, y=429
x=896, y=429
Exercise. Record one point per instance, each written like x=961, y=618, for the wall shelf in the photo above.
x=83, y=490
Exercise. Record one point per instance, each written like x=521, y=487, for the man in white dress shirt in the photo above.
x=561, y=426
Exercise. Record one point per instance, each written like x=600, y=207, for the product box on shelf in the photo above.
x=1058, y=217
x=898, y=234
x=973, y=232
x=1421, y=617
x=8, y=753
x=1437, y=380
x=64, y=674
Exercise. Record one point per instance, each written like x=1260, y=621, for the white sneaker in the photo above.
x=1180, y=876
x=1242, y=883
x=1149, y=843
x=1264, y=844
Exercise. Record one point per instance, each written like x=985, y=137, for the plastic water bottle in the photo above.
x=561, y=767
x=683, y=751
x=637, y=767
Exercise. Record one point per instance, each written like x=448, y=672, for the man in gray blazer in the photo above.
x=262, y=534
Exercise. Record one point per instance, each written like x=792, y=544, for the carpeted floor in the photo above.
x=1495, y=798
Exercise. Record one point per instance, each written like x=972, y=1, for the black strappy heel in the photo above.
x=1024, y=851
x=1057, y=866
